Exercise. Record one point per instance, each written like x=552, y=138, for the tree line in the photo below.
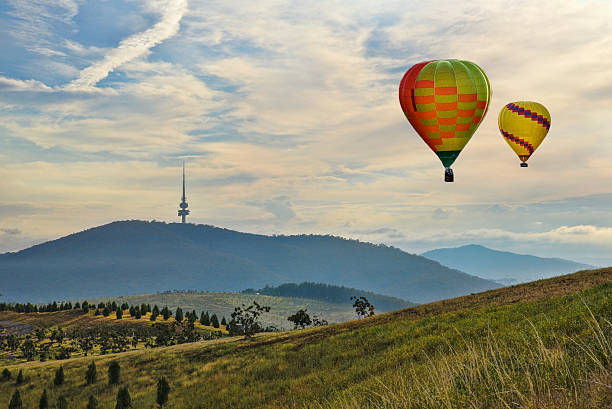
x=112, y=307
x=329, y=293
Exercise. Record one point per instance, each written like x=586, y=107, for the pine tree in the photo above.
x=62, y=403
x=93, y=402
x=124, y=401
x=214, y=321
x=143, y=309
x=155, y=310
x=178, y=315
x=163, y=389
x=119, y=314
x=132, y=311
x=44, y=401
x=106, y=311
x=19, y=379
x=114, y=373
x=192, y=317
x=205, y=319
x=15, y=402
x=138, y=314
x=91, y=376
x=224, y=322
x=166, y=313
x=59, y=376
x=114, y=306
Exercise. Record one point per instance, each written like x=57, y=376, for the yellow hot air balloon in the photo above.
x=524, y=126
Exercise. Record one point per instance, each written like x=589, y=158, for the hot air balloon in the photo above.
x=445, y=101
x=524, y=126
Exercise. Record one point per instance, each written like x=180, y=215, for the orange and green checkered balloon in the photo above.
x=445, y=101
x=524, y=126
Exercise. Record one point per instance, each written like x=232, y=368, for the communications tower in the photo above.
x=183, y=212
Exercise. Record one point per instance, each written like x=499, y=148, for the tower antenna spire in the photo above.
x=183, y=198
x=183, y=212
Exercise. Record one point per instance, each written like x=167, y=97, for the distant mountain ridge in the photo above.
x=331, y=293
x=502, y=266
x=135, y=257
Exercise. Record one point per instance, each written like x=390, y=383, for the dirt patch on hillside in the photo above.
x=14, y=328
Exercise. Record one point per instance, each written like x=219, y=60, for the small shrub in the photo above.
x=20, y=378
x=15, y=402
x=59, y=376
x=124, y=401
x=62, y=403
x=44, y=401
x=91, y=376
x=114, y=373
x=163, y=389
x=92, y=403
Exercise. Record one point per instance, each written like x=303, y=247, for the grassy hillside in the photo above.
x=546, y=344
x=135, y=257
x=223, y=304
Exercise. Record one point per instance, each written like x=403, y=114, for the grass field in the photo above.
x=546, y=344
x=223, y=304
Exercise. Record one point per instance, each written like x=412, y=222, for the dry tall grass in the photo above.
x=501, y=374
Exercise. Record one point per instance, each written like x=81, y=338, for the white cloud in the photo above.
x=134, y=46
x=27, y=85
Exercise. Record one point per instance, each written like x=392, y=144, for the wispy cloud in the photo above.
x=27, y=85
x=134, y=46
x=35, y=23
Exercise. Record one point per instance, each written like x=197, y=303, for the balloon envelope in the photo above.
x=445, y=101
x=524, y=125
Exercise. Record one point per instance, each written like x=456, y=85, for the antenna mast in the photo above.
x=183, y=212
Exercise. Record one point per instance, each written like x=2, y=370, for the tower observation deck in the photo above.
x=183, y=212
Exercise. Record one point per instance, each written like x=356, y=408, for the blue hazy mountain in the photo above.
x=502, y=266
x=134, y=257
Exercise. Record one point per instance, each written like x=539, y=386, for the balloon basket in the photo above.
x=448, y=175
x=523, y=165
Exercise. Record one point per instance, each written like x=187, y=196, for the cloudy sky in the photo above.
x=286, y=113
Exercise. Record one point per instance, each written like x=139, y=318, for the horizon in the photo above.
x=298, y=234
x=287, y=118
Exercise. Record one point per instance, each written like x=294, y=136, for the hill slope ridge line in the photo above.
x=136, y=257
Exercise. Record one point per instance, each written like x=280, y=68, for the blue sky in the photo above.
x=286, y=114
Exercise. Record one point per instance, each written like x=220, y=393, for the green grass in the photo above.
x=546, y=344
x=223, y=305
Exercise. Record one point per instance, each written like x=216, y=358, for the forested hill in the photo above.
x=135, y=257
x=332, y=294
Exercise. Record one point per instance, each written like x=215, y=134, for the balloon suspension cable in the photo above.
x=523, y=165
x=448, y=175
